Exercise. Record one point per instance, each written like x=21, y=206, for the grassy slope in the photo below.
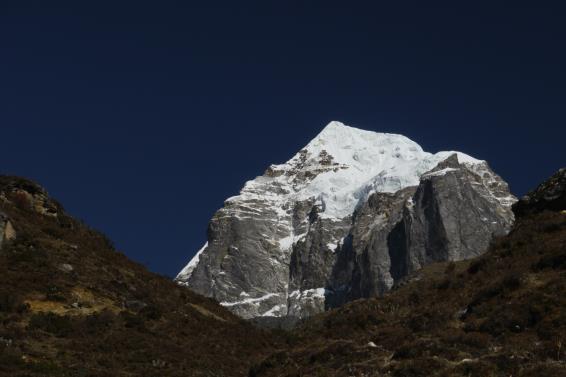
x=108, y=316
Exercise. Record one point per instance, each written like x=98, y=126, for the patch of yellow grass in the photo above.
x=88, y=304
x=206, y=312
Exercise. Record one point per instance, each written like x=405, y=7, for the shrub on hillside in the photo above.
x=10, y=303
x=477, y=266
x=52, y=323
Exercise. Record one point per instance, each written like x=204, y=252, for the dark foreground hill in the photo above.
x=502, y=314
x=71, y=305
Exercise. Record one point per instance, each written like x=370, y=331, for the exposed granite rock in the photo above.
x=454, y=217
x=312, y=261
x=365, y=266
x=349, y=216
x=449, y=216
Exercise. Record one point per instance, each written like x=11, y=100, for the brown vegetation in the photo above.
x=71, y=305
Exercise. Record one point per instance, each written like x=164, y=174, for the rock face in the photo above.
x=347, y=217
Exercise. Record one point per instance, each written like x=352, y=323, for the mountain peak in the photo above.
x=344, y=164
x=334, y=124
x=272, y=249
x=336, y=127
x=337, y=135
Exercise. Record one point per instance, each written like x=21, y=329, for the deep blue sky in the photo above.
x=142, y=118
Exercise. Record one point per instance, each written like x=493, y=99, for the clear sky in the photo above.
x=142, y=117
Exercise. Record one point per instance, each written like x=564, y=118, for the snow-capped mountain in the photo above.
x=348, y=216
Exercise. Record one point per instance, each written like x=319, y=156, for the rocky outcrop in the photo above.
x=7, y=231
x=455, y=214
x=347, y=217
x=549, y=195
x=449, y=216
x=27, y=195
x=371, y=258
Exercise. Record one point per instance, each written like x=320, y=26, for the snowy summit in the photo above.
x=365, y=161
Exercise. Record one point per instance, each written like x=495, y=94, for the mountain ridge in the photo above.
x=307, y=206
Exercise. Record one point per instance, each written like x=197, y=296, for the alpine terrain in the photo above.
x=71, y=305
x=350, y=216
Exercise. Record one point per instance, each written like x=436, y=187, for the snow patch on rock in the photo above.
x=250, y=300
x=186, y=272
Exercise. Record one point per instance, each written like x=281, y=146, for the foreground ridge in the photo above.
x=72, y=305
